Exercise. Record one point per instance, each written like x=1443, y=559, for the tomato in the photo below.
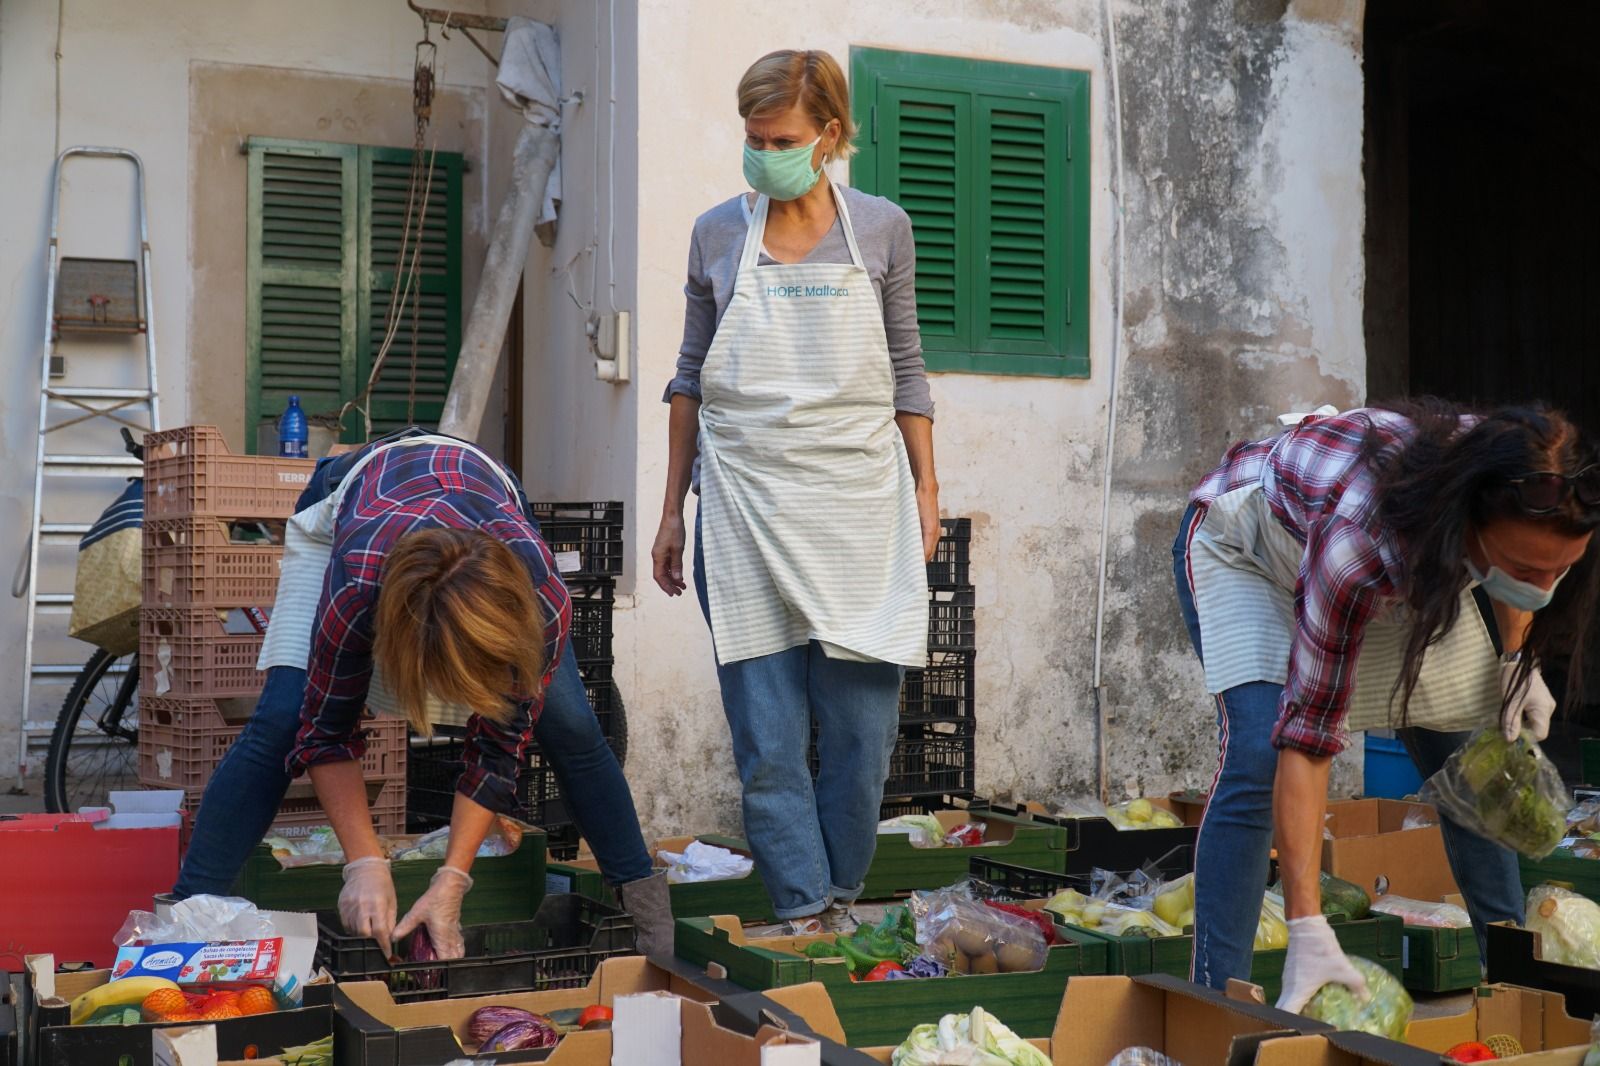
x=882, y=971
x=594, y=1015
x=1471, y=1051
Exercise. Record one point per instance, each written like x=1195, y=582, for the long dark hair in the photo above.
x=1449, y=480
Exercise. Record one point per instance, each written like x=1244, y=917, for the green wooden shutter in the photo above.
x=386, y=176
x=990, y=160
x=325, y=222
x=300, y=315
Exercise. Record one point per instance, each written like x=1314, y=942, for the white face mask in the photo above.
x=1501, y=586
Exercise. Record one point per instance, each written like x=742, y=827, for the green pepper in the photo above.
x=860, y=955
x=823, y=950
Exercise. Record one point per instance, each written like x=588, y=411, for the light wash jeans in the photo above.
x=247, y=786
x=1232, y=854
x=812, y=844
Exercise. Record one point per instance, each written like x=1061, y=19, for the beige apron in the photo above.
x=307, y=550
x=1245, y=566
x=807, y=504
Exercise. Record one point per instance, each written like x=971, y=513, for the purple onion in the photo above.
x=531, y=1032
x=487, y=1021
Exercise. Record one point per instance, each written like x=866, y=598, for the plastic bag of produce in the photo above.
x=1142, y=1056
x=923, y=829
x=1420, y=912
x=976, y=1039
x=1568, y=926
x=1584, y=819
x=1272, y=929
x=1386, y=1012
x=1593, y=1057
x=1508, y=792
x=1142, y=814
x=705, y=862
x=965, y=936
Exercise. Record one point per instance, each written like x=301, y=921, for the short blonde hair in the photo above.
x=812, y=79
x=457, y=618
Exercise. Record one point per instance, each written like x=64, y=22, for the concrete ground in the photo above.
x=30, y=802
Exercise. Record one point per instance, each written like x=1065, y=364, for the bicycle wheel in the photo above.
x=95, y=746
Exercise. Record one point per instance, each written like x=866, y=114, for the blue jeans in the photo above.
x=812, y=843
x=1232, y=854
x=247, y=786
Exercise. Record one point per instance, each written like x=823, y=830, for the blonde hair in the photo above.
x=457, y=617
x=812, y=79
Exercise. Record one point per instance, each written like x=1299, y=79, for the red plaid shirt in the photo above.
x=1324, y=493
x=400, y=491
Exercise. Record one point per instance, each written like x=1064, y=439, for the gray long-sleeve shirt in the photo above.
x=883, y=232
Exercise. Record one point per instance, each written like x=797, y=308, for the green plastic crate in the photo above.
x=897, y=867
x=880, y=1013
x=1380, y=938
x=583, y=879
x=1563, y=868
x=507, y=888
x=1440, y=960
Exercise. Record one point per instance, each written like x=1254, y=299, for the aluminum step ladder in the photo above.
x=82, y=296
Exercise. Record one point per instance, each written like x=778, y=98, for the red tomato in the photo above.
x=593, y=1015
x=882, y=971
x=1471, y=1051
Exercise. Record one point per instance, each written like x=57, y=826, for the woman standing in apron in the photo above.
x=801, y=375
x=1358, y=540
x=415, y=582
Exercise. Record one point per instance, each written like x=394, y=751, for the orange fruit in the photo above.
x=257, y=1000
x=220, y=1013
x=163, y=1003
x=220, y=997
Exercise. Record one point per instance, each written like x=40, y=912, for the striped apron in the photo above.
x=307, y=550
x=1245, y=564
x=807, y=504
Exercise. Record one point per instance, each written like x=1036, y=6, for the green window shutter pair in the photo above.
x=325, y=225
x=991, y=161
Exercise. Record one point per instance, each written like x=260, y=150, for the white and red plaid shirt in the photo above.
x=1320, y=481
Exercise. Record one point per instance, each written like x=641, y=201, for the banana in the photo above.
x=128, y=992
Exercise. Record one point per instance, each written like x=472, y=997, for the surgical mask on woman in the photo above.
x=782, y=174
x=1502, y=587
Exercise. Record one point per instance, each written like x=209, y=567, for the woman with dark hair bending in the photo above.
x=1442, y=552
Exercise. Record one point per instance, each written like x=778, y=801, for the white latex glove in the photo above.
x=366, y=903
x=439, y=909
x=1315, y=959
x=1529, y=708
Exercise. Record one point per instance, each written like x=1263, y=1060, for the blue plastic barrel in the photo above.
x=1390, y=773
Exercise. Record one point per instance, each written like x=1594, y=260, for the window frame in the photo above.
x=873, y=71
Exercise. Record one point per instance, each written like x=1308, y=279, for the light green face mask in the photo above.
x=783, y=174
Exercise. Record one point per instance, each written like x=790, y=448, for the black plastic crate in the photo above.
x=593, y=531
x=606, y=699
x=1002, y=880
x=895, y=806
x=951, y=623
x=560, y=948
x=950, y=566
x=942, y=689
x=433, y=767
x=594, y=671
x=940, y=758
x=561, y=843
x=592, y=605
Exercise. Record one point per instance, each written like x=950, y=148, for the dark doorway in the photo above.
x=1482, y=161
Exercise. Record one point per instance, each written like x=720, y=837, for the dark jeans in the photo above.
x=1231, y=856
x=246, y=788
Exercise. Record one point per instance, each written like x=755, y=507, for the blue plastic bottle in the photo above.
x=292, y=432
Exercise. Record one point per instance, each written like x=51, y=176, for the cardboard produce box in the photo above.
x=1371, y=847
x=1516, y=957
x=873, y=1012
x=1094, y=1020
x=371, y=1029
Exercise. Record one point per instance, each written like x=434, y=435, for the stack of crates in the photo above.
x=935, y=752
x=586, y=539
x=213, y=546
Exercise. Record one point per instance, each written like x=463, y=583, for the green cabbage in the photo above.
x=976, y=1039
x=1506, y=791
x=1386, y=1012
x=1568, y=926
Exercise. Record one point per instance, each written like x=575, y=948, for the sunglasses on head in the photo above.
x=1545, y=492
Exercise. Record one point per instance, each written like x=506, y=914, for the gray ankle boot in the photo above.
x=651, y=907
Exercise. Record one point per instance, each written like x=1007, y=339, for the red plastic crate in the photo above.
x=186, y=565
x=181, y=741
x=190, y=471
x=70, y=886
x=186, y=651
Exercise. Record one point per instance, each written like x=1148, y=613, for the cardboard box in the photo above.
x=1094, y=1020
x=82, y=880
x=878, y=1011
x=1372, y=848
x=1516, y=957
x=371, y=1029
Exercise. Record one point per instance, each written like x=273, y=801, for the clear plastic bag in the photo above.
x=964, y=936
x=1420, y=912
x=505, y=837
x=1593, y=1056
x=923, y=830
x=1584, y=819
x=1568, y=926
x=320, y=847
x=1142, y=1056
x=1081, y=807
x=1420, y=816
x=1142, y=814
x=1508, y=792
x=198, y=919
